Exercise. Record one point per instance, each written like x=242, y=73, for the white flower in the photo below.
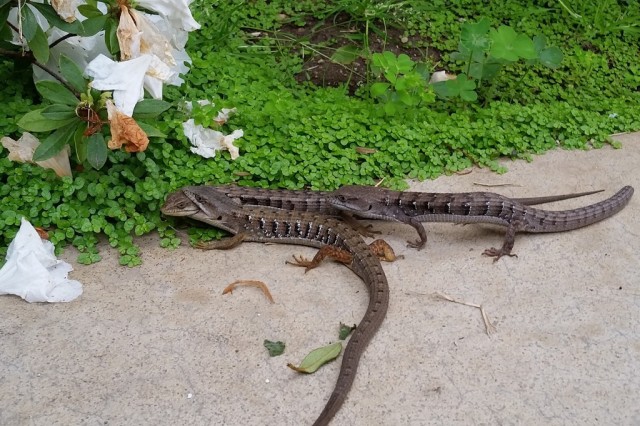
x=125, y=79
x=33, y=272
x=176, y=11
x=207, y=141
x=22, y=151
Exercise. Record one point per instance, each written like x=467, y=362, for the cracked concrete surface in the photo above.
x=160, y=344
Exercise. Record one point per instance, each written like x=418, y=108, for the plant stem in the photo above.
x=61, y=39
x=29, y=55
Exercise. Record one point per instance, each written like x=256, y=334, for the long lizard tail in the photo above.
x=566, y=220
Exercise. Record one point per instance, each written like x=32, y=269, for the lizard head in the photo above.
x=178, y=204
x=353, y=198
x=202, y=203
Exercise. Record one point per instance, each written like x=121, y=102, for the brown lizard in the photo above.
x=333, y=237
x=320, y=201
x=471, y=207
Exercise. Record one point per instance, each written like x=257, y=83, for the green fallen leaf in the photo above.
x=345, y=330
x=317, y=358
x=274, y=348
x=345, y=54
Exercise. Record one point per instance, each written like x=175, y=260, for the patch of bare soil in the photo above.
x=319, y=40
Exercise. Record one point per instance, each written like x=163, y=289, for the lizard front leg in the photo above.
x=223, y=244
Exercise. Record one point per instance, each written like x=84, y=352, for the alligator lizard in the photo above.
x=471, y=207
x=265, y=224
x=319, y=201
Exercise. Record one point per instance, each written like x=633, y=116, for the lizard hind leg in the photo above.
x=507, y=246
x=384, y=251
x=335, y=253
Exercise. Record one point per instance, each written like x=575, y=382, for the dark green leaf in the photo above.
x=4, y=14
x=150, y=108
x=442, y=89
x=59, y=112
x=97, y=151
x=551, y=57
x=39, y=45
x=94, y=25
x=539, y=42
x=151, y=131
x=34, y=121
x=54, y=19
x=89, y=11
x=110, y=36
x=317, y=358
x=56, y=93
x=509, y=45
x=80, y=144
x=345, y=54
x=3, y=2
x=72, y=74
x=377, y=89
x=274, y=348
x=473, y=36
x=29, y=23
x=55, y=142
x=404, y=63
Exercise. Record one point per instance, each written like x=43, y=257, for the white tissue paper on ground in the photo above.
x=33, y=272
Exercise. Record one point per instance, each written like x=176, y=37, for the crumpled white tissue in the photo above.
x=33, y=272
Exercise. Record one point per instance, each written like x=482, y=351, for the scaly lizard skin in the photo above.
x=320, y=201
x=266, y=224
x=471, y=207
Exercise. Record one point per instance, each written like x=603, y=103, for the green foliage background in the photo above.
x=299, y=136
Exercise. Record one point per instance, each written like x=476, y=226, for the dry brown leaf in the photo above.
x=363, y=150
x=66, y=9
x=42, y=233
x=125, y=131
x=250, y=283
x=128, y=35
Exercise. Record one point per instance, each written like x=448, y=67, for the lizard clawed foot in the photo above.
x=417, y=244
x=497, y=253
x=302, y=262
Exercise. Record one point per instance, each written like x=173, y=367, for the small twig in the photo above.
x=489, y=328
x=251, y=283
x=61, y=39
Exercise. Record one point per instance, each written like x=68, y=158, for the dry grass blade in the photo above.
x=251, y=283
x=489, y=328
x=496, y=185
